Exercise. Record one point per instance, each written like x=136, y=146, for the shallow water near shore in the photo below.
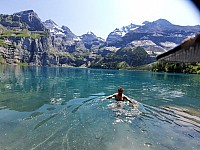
x=62, y=108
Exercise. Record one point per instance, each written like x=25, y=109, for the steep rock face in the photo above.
x=26, y=50
x=24, y=39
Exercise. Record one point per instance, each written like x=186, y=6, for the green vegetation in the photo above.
x=123, y=65
x=38, y=34
x=23, y=33
x=125, y=58
x=22, y=64
x=2, y=61
x=4, y=44
x=7, y=33
x=176, y=67
x=6, y=18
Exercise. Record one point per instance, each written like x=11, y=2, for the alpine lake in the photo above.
x=57, y=108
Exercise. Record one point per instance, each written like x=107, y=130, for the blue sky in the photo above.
x=103, y=16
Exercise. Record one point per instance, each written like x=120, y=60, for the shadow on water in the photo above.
x=44, y=121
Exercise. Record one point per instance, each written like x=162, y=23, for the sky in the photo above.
x=103, y=16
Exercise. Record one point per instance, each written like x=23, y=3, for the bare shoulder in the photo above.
x=124, y=96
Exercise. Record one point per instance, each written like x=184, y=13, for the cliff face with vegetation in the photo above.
x=26, y=40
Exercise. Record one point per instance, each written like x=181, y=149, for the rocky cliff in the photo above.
x=24, y=38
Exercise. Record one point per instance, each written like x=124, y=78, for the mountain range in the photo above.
x=25, y=39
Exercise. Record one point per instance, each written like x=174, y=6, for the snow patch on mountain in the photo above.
x=168, y=45
x=151, y=48
x=125, y=29
x=143, y=43
x=60, y=32
x=118, y=33
x=53, y=27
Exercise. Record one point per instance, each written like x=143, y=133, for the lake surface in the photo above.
x=58, y=108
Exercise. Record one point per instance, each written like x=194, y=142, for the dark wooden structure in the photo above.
x=188, y=51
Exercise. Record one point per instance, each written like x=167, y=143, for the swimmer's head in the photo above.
x=120, y=90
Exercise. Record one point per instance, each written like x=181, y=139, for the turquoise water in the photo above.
x=62, y=108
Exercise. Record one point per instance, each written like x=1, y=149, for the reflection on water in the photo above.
x=62, y=108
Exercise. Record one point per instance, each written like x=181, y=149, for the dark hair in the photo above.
x=120, y=89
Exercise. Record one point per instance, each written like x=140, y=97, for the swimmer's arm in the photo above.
x=128, y=99
x=109, y=97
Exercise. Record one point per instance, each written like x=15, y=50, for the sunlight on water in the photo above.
x=123, y=112
x=63, y=108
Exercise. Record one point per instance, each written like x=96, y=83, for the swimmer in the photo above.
x=121, y=97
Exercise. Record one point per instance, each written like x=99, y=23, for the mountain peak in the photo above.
x=31, y=19
x=145, y=22
x=26, y=12
x=89, y=32
x=162, y=22
x=63, y=31
x=51, y=22
x=89, y=36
